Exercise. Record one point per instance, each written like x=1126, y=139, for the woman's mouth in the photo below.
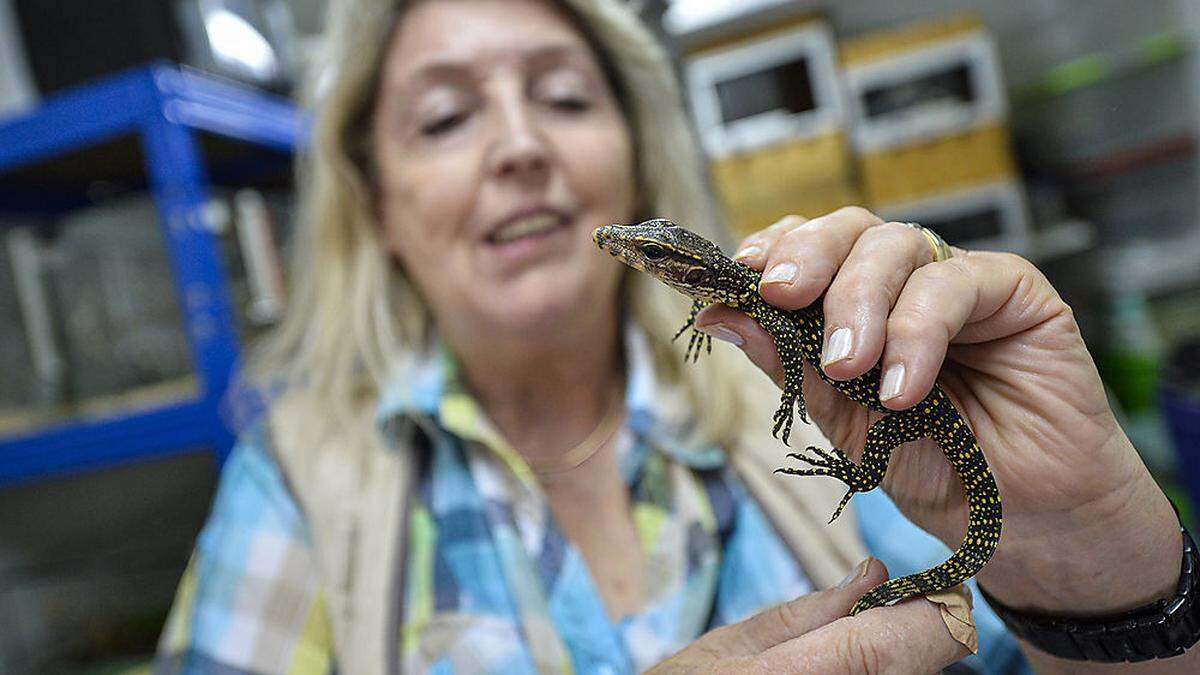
x=527, y=226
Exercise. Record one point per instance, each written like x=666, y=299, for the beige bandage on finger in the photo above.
x=955, y=606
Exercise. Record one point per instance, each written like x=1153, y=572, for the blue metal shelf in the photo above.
x=95, y=443
x=166, y=107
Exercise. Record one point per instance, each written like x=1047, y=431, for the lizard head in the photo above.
x=679, y=258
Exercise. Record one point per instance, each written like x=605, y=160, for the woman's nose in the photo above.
x=520, y=151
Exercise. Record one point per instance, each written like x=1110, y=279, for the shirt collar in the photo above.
x=427, y=386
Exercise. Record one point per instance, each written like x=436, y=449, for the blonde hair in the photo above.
x=352, y=311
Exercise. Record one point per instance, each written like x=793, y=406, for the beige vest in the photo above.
x=355, y=496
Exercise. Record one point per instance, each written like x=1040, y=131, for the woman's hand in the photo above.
x=813, y=634
x=1086, y=529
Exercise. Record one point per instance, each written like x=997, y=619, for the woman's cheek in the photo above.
x=431, y=199
x=608, y=181
x=622, y=165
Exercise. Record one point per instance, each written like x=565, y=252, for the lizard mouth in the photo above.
x=608, y=241
x=602, y=236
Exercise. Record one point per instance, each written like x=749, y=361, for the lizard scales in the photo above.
x=697, y=268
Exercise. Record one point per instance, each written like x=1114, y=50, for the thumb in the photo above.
x=792, y=619
x=910, y=637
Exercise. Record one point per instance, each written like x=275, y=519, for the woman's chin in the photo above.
x=544, y=313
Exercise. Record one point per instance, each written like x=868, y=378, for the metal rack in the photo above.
x=168, y=110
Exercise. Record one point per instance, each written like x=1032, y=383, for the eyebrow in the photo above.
x=438, y=67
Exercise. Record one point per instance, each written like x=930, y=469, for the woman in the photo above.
x=484, y=455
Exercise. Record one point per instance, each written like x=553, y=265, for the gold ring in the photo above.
x=941, y=250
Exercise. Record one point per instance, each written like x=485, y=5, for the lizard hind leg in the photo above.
x=882, y=437
x=984, y=513
x=841, y=505
x=835, y=464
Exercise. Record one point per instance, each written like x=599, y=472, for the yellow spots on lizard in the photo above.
x=798, y=339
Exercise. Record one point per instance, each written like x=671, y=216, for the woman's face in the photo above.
x=499, y=147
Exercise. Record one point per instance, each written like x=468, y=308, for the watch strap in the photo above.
x=1159, y=630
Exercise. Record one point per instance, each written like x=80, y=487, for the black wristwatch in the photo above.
x=1158, y=630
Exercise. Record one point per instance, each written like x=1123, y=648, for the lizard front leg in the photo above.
x=791, y=354
x=696, y=338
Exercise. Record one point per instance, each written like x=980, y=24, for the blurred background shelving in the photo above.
x=144, y=214
x=1097, y=112
x=138, y=214
x=134, y=363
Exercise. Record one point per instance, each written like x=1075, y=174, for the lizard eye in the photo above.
x=654, y=252
x=695, y=276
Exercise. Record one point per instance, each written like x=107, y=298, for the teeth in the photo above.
x=526, y=227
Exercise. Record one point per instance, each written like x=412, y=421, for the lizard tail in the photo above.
x=983, y=518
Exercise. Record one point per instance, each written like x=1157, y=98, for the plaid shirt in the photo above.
x=491, y=584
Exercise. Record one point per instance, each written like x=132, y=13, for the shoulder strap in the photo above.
x=354, y=491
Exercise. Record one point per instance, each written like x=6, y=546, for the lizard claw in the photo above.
x=694, y=346
x=826, y=460
x=784, y=416
x=816, y=463
x=783, y=422
x=833, y=463
x=841, y=505
x=679, y=332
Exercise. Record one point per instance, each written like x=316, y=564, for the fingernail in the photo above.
x=722, y=332
x=782, y=273
x=840, y=342
x=748, y=252
x=893, y=382
x=855, y=574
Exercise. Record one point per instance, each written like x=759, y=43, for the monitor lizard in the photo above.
x=697, y=268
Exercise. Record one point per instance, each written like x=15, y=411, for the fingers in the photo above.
x=754, y=247
x=815, y=634
x=951, y=301
x=886, y=301
x=870, y=261
x=862, y=293
x=789, y=620
x=908, y=638
x=799, y=258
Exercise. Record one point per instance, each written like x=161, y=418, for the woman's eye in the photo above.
x=573, y=104
x=442, y=124
x=563, y=89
